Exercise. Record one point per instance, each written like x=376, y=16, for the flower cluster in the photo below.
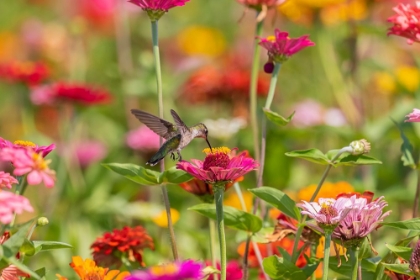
x=406, y=22
x=30, y=73
x=12, y=204
x=187, y=270
x=220, y=165
x=68, y=92
x=128, y=242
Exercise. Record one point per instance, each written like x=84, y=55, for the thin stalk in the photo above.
x=354, y=260
x=240, y=196
x=318, y=188
x=259, y=258
x=313, y=255
x=253, y=88
x=326, y=255
x=156, y=54
x=245, y=269
x=219, y=190
x=417, y=196
x=212, y=231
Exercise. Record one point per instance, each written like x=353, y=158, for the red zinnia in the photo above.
x=127, y=242
x=78, y=93
x=406, y=22
x=30, y=73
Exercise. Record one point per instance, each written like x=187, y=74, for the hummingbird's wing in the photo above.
x=161, y=127
x=178, y=120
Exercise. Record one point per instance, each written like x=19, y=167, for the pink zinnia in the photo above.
x=44, y=150
x=406, y=22
x=219, y=165
x=156, y=8
x=28, y=72
x=327, y=212
x=6, y=180
x=413, y=116
x=89, y=152
x=27, y=161
x=12, y=273
x=362, y=219
x=233, y=270
x=280, y=47
x=258, y=4
x=143, y=139
x=11, y=204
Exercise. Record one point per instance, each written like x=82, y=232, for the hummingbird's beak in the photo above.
x=208, y=143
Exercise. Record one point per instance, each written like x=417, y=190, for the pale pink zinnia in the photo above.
x=11, y=204
x=219, y=165
x=156, y=8
x=6, y=180
x=28, y=162
x=44, y=150
x=362, y=219
x=406, y=22
x=413, y=116
x=89, y=152
x=280, y=46
x=143, y=139
x=327, y=212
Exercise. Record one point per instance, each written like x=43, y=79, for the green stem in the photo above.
x=313, y=255
x=253, y=89
x=240, y=196
x=417, y=196
x=326, y=255
x=212, y=231
x=219, y=190
x=273, y=84
x=354, y=260
x=318, y=188
x=155, y=35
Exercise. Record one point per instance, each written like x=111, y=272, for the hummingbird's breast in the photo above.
x=186, y=138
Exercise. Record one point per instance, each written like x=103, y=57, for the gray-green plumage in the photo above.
x=177, y=135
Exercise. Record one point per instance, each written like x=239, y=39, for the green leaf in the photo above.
x=352, y=160
x=279, y=268
x=406, y=148
x=175, y=176
x=313, y=155
x=412, y=224
x=41, y=273
x=233, y=217
x=21, y=266
x=27, y=248
x=50, y=245
x=399, y=268
x=403, y=252
x=261, y=236
x=278, y=199
x=368, y=267
x=276, y=118
x=14, y=243
x=136, y=173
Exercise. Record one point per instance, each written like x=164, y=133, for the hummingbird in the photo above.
x=177, y=135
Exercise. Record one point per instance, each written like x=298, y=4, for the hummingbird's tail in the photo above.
x=155, y=159
x=167, y=147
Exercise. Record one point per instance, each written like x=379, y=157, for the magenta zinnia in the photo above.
x=362, y=219
x=44, y=150
x=127, y=243
x=220, y=165
x=406, y=22
x=187, y=270
x=280, y=47
x=413, y=116
x=156, y=8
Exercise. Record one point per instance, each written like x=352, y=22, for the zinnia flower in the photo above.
x=143, y=139
x=45, y=150
x=258, y=4
x=156, y=8
x=187, y=270
x=89, y=152
x=413, y=116
x=362, y=219
x=6, y=180
x=11, y=204
x=219, y=166
x=280, y=47
x=233, y=270
x=202, y=189
x=328, y=212
x=27, y=161
x=88, y=270
x=224, y=129
x=406, y=22
x=415, y=260
x=31, y=73
x=128, y=242
x=78, y=93
x=12, y=273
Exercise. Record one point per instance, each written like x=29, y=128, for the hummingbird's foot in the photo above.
x=179, y=156
x=173, y=156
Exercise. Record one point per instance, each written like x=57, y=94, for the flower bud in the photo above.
x=360, y=147
x=415, y=260
x=42, y=221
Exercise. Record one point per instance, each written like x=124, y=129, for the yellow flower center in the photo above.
x=40, y=162
x=24, y=143
x=217, y=150
x=166, y=269
x=271, y=38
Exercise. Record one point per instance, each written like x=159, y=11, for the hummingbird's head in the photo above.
x=203, y=132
